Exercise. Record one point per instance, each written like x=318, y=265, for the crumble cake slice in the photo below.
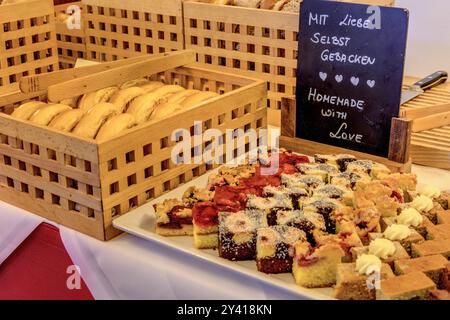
x=173, y=218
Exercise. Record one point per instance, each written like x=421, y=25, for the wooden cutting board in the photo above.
x=431, y=147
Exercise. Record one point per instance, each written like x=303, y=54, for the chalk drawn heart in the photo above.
x=354, y=81
x=339, y=78
x=371, y=83
x=323, y=76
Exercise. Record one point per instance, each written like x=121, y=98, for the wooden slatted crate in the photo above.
x=251, y=42
x=84, y=185
x=71, y=41
x=117, y=29
x=27, y=41
x=431, y=147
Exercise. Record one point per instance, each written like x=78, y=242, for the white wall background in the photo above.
x=429, y=36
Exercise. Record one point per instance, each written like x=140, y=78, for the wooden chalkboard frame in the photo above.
x=399, y=159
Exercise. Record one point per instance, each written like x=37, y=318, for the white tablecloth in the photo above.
x=131, y=268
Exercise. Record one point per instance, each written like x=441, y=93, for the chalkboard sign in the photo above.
x=350, y=71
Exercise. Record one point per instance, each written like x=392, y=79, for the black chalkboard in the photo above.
x=350, y=71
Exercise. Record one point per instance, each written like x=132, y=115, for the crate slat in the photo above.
x=121, y=29
x=27, y=41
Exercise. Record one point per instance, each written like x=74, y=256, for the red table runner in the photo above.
x=38, y=269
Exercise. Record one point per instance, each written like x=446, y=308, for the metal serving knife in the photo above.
x=426, y=83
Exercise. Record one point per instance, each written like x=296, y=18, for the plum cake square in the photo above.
x=318, y=169
x=296, y=194
x=339, y=160
x=268, y=207
x=325, y=207
x=274, y=248
x=237, y=234
x=173, y=218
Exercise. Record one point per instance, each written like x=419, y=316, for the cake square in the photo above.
x=193, y=195
x=369, y=167
x=433, y=266
x=274, y=248
x=305, y=221
x=350, y=285
x=443, y=217
x=431, y=247
x=173, y=218
x=339, y=160
x=295, y=194
x=406, y=242
x=206, y=225
x=439, y=295
x=325, y=207
x=237, y=234
x=335, y=192
x=268, y=207
x=399, y=253
x=348, y=179
x=438, y=232
x=444, y=199
x=318, y=169
x=420, y=229
x=308, y=182
x=414, y=285
x=445, y=280
x=316, y=267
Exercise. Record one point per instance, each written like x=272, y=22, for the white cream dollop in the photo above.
x=422, y=203
x=410, y=217
x=430, y=191
x=397, y=232
x=382, y=248
x=367, y=264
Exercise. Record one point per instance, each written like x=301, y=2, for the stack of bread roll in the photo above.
x=277, y=5
x=105, y=113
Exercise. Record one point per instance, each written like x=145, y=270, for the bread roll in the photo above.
x=247, y=3
x=134, y=83
x=67, y=120
x=164, y=111
x=122, y=98
x=115, y=125
x=89, y=100
x=198, y=98
x=151, y=86
x=177, y=98
x=72, y=102
x=292, y=6
x=94, y=119
x=143, y=106
x=44, y=115
x=267, y=4
x=26, y=110
x=279, y=5
x=168, y=89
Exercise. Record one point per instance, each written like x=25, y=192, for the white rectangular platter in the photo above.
x=141, y=223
